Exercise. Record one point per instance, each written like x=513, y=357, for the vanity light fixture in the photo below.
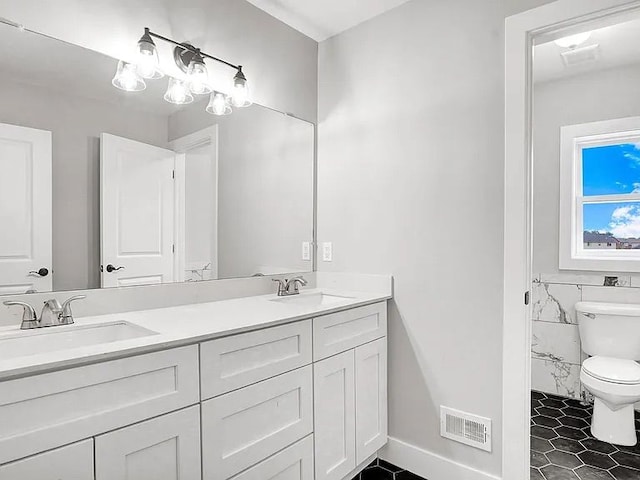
x=573, y=41
x=191, y=60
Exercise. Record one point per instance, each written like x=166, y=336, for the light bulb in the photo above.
x=572, y=41
x=218, y=104
x=178, y=92
x=240, y=96
x=147, y=59
x=198, y=77
x=127, y=78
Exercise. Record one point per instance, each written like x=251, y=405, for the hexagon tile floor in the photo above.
x=562, y=447
x=381, y=470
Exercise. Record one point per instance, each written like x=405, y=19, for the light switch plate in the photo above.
x=306, y=251
x=327, y=252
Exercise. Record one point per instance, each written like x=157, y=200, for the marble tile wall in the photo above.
x=556, y=355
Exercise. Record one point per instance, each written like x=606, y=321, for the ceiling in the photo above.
x=323, y=19
x=617, y=46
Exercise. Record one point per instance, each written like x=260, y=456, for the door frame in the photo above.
x=521, y=31
x=181, y=146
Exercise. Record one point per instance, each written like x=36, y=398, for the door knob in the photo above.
x=43, y=272
x=111, y=268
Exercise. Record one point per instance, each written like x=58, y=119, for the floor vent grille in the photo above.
x=465, y=428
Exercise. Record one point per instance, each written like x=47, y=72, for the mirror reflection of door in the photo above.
x=25, y=210
x=197, y=205
x=137, y=212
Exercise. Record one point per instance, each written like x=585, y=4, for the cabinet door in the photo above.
x=371, y=398
x=164, y=448
x=334, y=408
x=73, y=462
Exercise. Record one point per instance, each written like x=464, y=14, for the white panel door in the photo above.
x=137, y=212
x=73, y=462
x=371, y=398
x=164, y=448
x=334, y=411
x=25, y=209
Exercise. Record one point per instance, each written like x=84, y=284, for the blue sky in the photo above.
x=613, y=169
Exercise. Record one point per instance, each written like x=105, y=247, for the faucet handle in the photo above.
x=66, y=317
x=29, y=316
x=282, y=286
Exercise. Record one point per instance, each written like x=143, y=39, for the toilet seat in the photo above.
x=614, y=370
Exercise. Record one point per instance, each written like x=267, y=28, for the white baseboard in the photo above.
x=428, y=464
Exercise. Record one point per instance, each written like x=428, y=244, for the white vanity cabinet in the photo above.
x=306, y=400
x=350, y=391
x=73, y=462
x=163, y=448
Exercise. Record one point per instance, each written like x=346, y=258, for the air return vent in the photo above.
x=465, y=428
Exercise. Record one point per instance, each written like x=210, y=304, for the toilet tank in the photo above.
x=609, y=329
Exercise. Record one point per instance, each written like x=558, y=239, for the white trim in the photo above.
x=428, y=464
x=520, y=31
x=206, y=136
x=573, y=139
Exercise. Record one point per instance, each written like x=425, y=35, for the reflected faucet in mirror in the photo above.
x=53, y=313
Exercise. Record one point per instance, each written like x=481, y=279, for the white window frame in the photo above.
x=573, y=139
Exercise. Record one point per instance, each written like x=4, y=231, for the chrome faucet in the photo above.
x=289, y=287
x=53, y=313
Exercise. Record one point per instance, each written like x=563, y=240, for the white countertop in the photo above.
x=178, y=326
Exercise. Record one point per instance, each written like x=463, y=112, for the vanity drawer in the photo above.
x=233, y=362
x=342, y=331
x=45, y=411
x=292, y=463
x=73, y=462
x=242, y=428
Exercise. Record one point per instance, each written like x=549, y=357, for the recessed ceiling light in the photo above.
x=572, y=41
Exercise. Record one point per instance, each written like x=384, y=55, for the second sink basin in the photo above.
x=52, y=339
x=312, y=299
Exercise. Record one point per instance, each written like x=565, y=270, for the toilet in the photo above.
x=610, y=334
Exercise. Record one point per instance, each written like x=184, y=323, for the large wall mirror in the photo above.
x=104, y=188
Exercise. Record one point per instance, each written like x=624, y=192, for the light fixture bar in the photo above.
x=191, y=48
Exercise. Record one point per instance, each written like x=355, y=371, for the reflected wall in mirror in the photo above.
x=101, y=187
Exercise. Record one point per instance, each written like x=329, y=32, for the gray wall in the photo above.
x=280, y=62
x=591, y=97
x=265, y=188
x=76, y=124
x=411, y=183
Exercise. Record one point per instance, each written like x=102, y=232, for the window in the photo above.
x=600, y=196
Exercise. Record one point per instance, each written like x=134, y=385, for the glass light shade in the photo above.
x=147, y=60
x=178, y=92
x=198, y=77
x=127, y=78
x=572, y=41
x=240, y=96
x=219, y=104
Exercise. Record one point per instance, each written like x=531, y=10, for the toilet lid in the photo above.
x=614, y=370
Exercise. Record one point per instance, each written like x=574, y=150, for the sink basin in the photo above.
x=312, y=299
x=52, y=339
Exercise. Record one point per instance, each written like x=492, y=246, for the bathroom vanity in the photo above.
x=245, y=389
